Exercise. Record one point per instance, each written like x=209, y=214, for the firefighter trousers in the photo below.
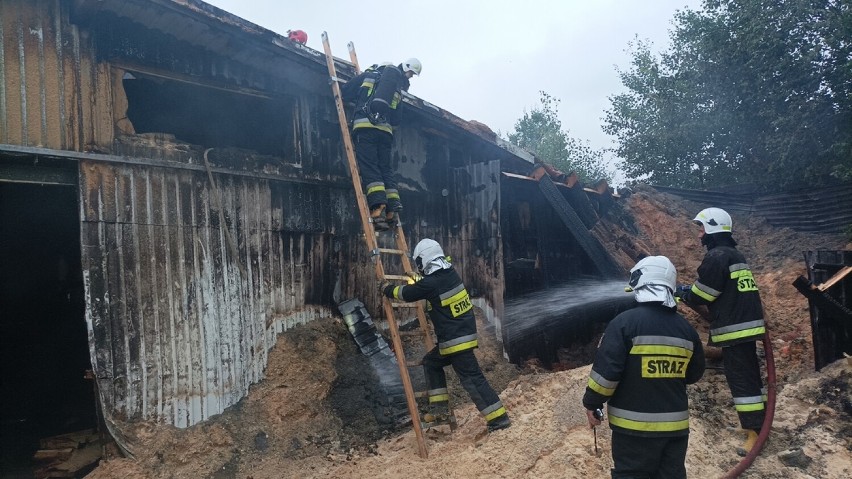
x=470, y=375
x=742, y=370
x=640, y=457
x=373, y=152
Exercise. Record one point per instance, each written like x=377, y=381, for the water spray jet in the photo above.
x=538, y=324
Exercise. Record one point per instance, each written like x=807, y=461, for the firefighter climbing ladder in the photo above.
x=401, y=250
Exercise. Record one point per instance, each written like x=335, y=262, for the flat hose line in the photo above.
x=770, y=412
x=770, y=402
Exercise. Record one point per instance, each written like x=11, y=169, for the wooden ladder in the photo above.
x=376, y=252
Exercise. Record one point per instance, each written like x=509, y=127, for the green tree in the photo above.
x=540, y=132
x=751, y=92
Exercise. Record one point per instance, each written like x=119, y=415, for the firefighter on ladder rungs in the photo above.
x=451, y=312
x=377, y=94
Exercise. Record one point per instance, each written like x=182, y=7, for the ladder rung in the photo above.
x=404, y=305
x=416, y=332
x=421, y=394
x=372, y=243
x=399, y=277
x=392, y=251
x=450, y=421
x=413, y=364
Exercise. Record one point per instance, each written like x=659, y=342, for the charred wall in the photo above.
x=539, y=250
x=181, y=322
x=451, y=193
x=556, y=290
x=188, y=279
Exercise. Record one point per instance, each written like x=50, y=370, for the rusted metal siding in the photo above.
x=179, y=325
x=48, y=80
x=180, y=328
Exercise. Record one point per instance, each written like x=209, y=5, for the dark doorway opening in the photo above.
x=44, y=349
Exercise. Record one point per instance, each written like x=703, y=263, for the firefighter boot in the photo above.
x=500, y=422
x=392, y=219
x=394, y=205
x=751, y=439
x=392, y=212
x=438, y=412
x=377, y=217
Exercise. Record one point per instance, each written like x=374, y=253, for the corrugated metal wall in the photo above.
x=178, y=330
x=180, y=326
x=48, y=80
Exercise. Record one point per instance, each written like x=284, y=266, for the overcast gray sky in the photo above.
x=488, y=60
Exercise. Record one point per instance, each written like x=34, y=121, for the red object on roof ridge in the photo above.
x=298, y=36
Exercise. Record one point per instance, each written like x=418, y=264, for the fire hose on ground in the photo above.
x=770, y=412
x=770, y=404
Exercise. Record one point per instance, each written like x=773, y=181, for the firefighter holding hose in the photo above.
x=726, y=286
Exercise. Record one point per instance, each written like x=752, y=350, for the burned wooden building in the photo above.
x=174, y=194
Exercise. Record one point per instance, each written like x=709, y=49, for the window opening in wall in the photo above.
x=211, y=117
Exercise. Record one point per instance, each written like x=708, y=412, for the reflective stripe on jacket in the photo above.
x=726, y=285
x=360, y=90
x=451, y=309
x=646, y=358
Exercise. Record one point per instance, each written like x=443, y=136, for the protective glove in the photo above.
x=414, y=277
x=681, y=289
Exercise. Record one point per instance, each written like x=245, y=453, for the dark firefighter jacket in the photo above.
x=379, y=90
x=646, y=358
x=451, y=310
x=725, y=284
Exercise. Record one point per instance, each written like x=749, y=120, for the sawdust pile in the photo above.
x=314, y=414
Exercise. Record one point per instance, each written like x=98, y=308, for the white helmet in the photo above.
x=412, y=65
x=714, y=220
x=426, y=251
x=655, y=270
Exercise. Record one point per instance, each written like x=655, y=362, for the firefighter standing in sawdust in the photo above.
x=726, y=286
x=451, y=312
x=646, y=358
x=377, y=94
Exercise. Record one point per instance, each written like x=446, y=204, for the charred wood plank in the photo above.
x=81, y=462
x=831, y=323
x=72, y=439
x=584, y=207
x=835, y=279
x=53, y=455
x=603, y=262
x=822, y=299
